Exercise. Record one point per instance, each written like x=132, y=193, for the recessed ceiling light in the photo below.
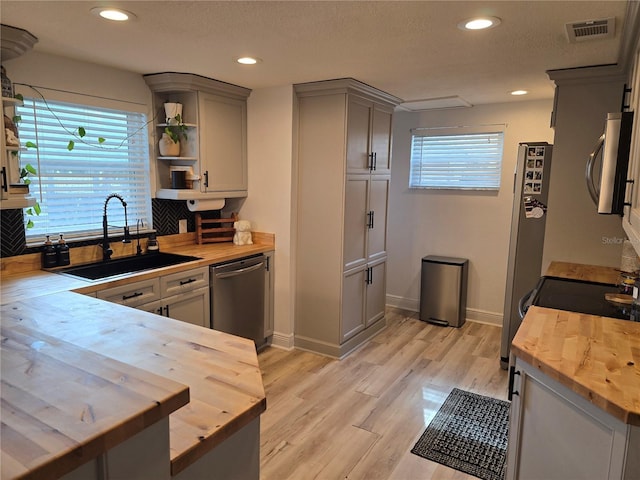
x=115, y=14
x=248, y=60
x=519, y=92
x=479, y=23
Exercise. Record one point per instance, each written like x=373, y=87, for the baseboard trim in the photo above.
x=472, y=314
x=282, y=340
x=340, y=351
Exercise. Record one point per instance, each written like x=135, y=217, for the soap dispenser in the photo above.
x=152, y=244
x=62, y=252
x=49, y=257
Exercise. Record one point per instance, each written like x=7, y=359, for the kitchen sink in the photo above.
x=120, y=266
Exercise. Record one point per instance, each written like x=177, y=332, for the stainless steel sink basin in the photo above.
x=120, y=266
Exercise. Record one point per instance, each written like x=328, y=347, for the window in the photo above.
x=71, y=186
x=462, y=160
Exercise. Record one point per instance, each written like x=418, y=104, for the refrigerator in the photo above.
x=528, y=218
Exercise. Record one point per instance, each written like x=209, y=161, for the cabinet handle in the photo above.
x=371, y=159
x=373, y=213
x=159, y=311
x=166, y=310
x=133, y=295
x=375, y=160
x=369, y=219
x=512, y=374
x=4, y=179
x=206, y=179
x=186, y=282
x=369, y=276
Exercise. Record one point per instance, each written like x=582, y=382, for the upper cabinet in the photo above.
x=368, y=138
x=631, y=218
x=212, y=129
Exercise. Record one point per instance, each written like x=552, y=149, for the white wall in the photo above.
x=473, y=225
x=67, y=75
x=268, y=206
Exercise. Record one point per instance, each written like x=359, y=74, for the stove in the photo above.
x=580, y=296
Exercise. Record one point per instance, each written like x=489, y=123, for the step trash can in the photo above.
x=443, y=290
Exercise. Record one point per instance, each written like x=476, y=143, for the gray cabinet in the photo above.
x=215, y=114
x=223, y=147
x=554, y=433
x=344, y=144
x=133, y=294
x=182, y=296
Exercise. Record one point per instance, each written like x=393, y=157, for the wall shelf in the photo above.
x=186, y=159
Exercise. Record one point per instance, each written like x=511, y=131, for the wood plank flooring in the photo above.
x=358, y=418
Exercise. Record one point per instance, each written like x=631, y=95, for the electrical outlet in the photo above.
x=182, y=226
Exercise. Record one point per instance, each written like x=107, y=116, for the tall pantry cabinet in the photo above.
x=344, y=161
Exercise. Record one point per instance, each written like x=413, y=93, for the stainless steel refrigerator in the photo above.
x=528, y=218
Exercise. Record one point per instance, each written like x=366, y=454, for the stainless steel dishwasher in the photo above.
x=237, y=298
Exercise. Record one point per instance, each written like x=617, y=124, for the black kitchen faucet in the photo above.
x=106, y=250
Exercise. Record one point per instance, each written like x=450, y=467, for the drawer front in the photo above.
x=181, y=282
x=134, y=294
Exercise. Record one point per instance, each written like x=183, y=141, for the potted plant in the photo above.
x=174, y=131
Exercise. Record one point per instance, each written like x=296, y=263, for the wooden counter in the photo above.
x=48, y=434
x=220, y=370
x=590, y=273
x=596, y=357
x=34, y=283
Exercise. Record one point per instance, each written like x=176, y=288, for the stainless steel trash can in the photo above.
x=443, y=290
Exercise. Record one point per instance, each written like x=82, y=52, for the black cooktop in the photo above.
x=583, y=297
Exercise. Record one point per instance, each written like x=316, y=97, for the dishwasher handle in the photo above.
x=235, y=273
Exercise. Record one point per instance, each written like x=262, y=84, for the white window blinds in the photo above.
x=470, y=161
x=72, y=185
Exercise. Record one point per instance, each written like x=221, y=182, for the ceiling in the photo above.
x=412, y=50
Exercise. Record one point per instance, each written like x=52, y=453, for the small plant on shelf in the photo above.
x=176, y=130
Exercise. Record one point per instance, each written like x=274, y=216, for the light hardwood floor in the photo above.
x=358, y=418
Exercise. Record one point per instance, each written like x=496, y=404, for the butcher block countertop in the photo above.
x=18, y=284
x=596, y=357
x=220, y=370
x=151, y=365
x=47, y=434
x=590, y=273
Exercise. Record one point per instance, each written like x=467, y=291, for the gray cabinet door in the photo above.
x=223, y=153
x=353, y=303
x=377, y=211
x=355, y=220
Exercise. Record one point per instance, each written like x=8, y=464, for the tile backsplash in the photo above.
x=166, y=214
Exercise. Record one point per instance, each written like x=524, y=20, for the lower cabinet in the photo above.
x=191, y=307
x=145, y=456
x=554, y=433
x=365, y=289
x=183, y=296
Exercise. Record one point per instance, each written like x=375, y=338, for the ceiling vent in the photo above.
x=591, y=30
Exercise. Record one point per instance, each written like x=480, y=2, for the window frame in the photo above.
x=53, y=96
x=445, y=133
